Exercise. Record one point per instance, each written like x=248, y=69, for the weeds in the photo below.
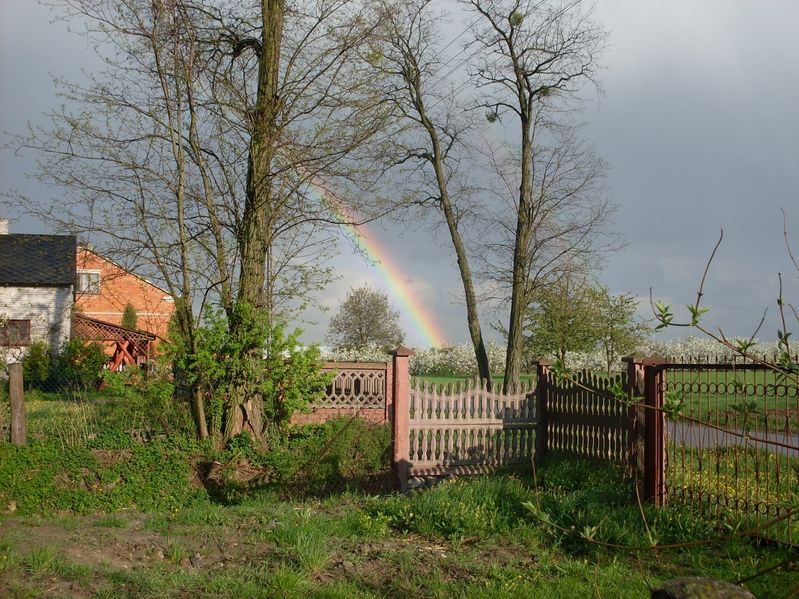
x=286, y=582
x=175, y=552
x=40, y=560
x=43, y=478
x=8, y=558
x=468, y=537
x=457, y=509
x=305, y=542
x=112, y=521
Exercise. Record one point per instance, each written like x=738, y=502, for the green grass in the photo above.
x=40, y=559
x=112, y=521
x=74, y=418
x=175, y=552
x=503, y=536
x=469, y=538
x=304, y=543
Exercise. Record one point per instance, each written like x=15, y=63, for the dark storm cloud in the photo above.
x=698, y=123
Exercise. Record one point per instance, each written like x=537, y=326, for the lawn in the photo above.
x=470, y=538
x=88, y=510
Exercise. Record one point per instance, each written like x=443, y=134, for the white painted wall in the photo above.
x=49, y=310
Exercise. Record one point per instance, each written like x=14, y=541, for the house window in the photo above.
x=88, y=281
x=15, y=333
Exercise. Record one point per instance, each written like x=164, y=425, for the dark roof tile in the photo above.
x=37, y=260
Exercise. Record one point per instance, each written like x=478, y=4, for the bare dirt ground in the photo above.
x=83, y=557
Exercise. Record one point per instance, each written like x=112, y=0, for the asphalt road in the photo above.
x=699, y=436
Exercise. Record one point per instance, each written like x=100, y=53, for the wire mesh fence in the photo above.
x=5, y=410
x=77, y=368
x=732, y=444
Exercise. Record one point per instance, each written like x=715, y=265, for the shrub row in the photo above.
x=77, y=366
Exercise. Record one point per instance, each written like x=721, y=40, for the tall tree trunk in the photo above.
x=174, y=98
x=472, y=315
x=190, y=392
x=244, y=406
x=518, y=302
x=255, y=234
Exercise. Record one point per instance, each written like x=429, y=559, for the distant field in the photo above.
x=742, y=398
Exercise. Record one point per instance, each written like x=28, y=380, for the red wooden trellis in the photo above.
x=130, y=348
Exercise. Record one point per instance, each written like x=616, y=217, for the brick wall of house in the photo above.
x=119, y=287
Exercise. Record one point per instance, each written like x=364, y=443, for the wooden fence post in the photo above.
x=654, y=433
x=17, y=396
x=401, y=403
x=542, y=402
x=635, y=415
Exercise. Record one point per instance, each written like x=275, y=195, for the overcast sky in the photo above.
x=698, y=122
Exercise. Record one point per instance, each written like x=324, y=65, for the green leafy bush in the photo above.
x=79, y=365
x=5, y=412
x=293, y=376
x=36, y=365
x=341, y=454
x=150, y=399
x=256, y=358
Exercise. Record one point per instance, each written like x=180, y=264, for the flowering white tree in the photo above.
x=365, y=318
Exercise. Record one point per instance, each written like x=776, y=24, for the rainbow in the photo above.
x=419, y=315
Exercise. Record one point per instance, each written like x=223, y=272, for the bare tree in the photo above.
x=568, y=219
x=427, y=148
x=532, y=58
x=305, y=117
x=130, y=158
x=190, y=158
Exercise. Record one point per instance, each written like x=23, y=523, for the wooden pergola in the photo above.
x=129, y=347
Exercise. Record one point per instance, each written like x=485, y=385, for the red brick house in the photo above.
x=103, y=289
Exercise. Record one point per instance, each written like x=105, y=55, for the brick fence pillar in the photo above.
x=401, y=404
